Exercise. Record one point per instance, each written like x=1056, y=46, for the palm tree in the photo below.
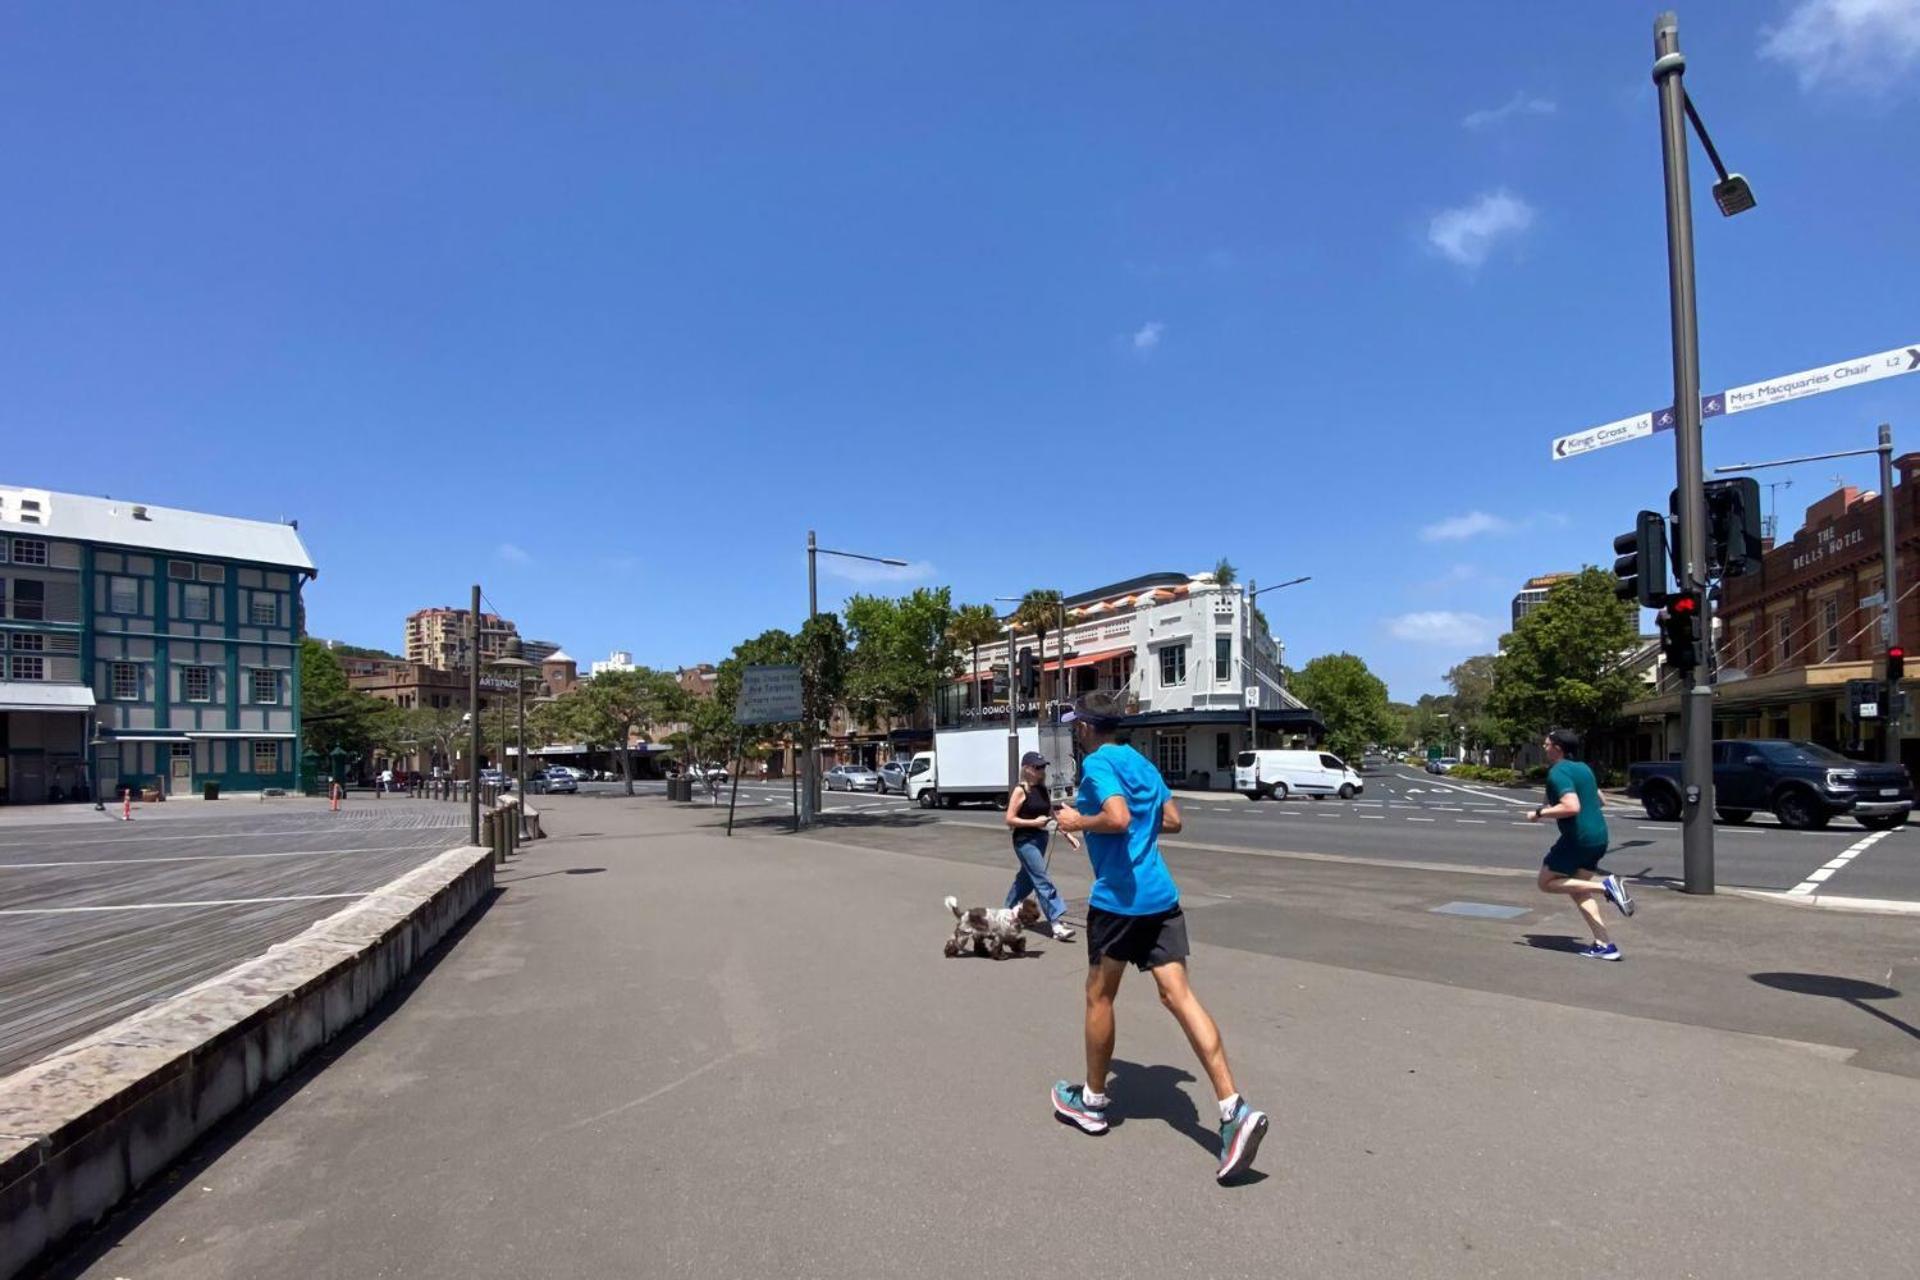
x=1224, y=574
x=974, y=625
x=1039, y=609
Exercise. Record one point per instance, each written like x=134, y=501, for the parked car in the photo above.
x=1443, y=764
x=852, y=777
x=1259, y=774
x=560, y=779
x=578, y=775
x=496, y=778
x=1805, y=785
x=893, y=777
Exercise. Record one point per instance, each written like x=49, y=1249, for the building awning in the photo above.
x=140, y=737
x=237, y=733
x=36, y=695
x=1088, y=659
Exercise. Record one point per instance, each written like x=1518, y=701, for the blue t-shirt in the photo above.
x=1129, y=879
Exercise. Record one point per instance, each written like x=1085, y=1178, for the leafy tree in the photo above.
x=614, y=705
x=332, y=712
x=1562, y=666
x=1351, y=700
x=437, y=730
x=901, y=649
x=972, y=626
x=1224, y=574
x=1402, y=737
x=1038, y=610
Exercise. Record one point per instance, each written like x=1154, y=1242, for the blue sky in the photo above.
x=607, y=307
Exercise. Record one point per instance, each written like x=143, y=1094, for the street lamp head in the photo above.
x=513, y=657
x=1733, y=195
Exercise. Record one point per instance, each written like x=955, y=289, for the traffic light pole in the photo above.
x=1696, y=704
x=1890, y=715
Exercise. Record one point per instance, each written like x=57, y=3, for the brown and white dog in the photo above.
x=992, y=931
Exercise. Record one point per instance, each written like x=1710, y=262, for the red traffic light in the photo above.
x=1683, y=604
x=1896, y=652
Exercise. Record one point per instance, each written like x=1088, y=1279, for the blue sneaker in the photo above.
x=1240, y=1141
x=1597, y=951
x=1070, y=1107
x=1617, y=894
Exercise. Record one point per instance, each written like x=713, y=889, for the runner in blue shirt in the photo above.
x=1134, y=917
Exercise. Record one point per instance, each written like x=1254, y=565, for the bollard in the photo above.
x=335, y=807
x=126, y=804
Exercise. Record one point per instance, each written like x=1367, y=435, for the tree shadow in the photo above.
x=1846, y=990
x=1154, y=1093
x=564, y=871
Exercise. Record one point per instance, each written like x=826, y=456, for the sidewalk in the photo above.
x=661, y=1052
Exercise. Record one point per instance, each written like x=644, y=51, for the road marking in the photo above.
x=209, y=857
x=1836, y=864
x=1483, y=795
x=1473, y=822
x=1423, y=819
x=1374, y=817
x=142, y=837
x=164, y=906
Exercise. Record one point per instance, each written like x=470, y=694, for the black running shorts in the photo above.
x=1145, y=942
x=1569, y=859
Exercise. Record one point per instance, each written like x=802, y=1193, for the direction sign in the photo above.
x=1755, y=395
x=1873, y=601
x=769, y=695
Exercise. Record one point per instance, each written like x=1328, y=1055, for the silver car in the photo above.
x=852, y=777
x=893, y=778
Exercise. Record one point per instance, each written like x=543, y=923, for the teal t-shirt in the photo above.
x=1129, y=877
x=1588, y=828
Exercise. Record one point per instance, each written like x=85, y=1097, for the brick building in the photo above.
x=1789, y=637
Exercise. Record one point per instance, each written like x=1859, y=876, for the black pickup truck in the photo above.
x=1805, y=785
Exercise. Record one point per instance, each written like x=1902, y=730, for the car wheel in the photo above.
x=1883, y=822
x=1346, y=791
x=1661, y=803
x=1278, y=791
x=1799, y=811
x=952, y=802
x=1734, y=817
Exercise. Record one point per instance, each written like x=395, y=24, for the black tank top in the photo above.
x=1034, y=803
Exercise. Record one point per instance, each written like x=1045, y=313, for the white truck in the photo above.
x=971, y=764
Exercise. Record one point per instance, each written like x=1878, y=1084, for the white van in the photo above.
x=1258, y=774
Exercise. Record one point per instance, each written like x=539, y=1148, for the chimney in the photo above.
x=139, y=513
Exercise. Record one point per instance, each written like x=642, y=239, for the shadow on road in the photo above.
x=1553, y=942
x=1846, y=990
x=563, y=871
x=1154, y=1093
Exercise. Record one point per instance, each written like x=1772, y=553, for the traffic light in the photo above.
x=1733, y=527
x=1640, y=567
x=1029, y=674
x=1677, y=640
x=1896, y=664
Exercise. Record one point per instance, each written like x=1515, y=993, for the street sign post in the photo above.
x=1754, y=395
x=769, y=695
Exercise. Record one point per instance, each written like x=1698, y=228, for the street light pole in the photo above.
x=473, y=724
x=810, y=766
x=1696, y=707
x=1253, y=703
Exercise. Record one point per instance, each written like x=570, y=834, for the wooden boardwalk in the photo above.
x=99, y=920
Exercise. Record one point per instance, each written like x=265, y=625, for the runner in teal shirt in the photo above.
x=1572, y=866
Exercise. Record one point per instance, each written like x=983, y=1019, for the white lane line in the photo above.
x=1473, y=822
x=143, y=838
x=1423, y=819
x=207, y=857
x=1477, y=794
x=165, y=906
x=1837, y=863
x=1374, y=817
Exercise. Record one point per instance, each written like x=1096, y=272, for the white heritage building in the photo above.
x=1198, y=660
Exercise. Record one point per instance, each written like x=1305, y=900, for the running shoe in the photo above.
x=1062, y=932
x=1240, y=1141
x=1617, y=893
x=1601, y=951
x=1070, y=1107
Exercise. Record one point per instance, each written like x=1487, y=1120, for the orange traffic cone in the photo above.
x=336, y=798
x=126, y=804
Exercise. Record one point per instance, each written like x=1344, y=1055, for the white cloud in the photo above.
x=1148, y=335
x=512, y=554
x=1855, y=44
x=871, y=571
x=1520, y=104
x=1470, y=525
x=1466, y=235
x=1445, y=627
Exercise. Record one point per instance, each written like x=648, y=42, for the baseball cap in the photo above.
x=1102, y=708
x=1033, y=760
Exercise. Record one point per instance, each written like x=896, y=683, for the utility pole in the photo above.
x=807, y=800
x=1890, y=610
x=1696, y=705
x=473, y=720
x=1253, y=686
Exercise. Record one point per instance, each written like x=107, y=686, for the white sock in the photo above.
x=1229, y=1105
x=1092, y=1099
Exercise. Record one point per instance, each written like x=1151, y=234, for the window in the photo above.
x=1222, y=751
x=264, y=610
x=1223, y=660
x=29, y=601
x=1830, y=623
x=1784, y=633
x=30, y=643
x=266, y=686
x=213, y=573
x=180, y=570
x=196, y=684
x=1172, y=755
x=1173, y=670
x=196, y=603
x=1331, y=762
x=29, y=551
x=123, y=682
x=123, y=595
x=266, y=756
x=28, y=666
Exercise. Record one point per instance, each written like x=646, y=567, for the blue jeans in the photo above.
x=1031, y=849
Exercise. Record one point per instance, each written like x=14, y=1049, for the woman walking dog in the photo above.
x=1029, y=814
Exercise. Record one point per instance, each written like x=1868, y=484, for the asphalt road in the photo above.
x=1410, y=816
x=663, y=1052
x=99, y=918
